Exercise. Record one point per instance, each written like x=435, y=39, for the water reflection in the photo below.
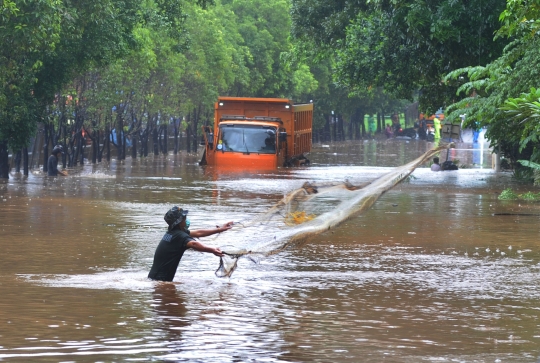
x=170, y=310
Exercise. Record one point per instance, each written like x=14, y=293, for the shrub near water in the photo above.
x=530, y=196
x=509, y=194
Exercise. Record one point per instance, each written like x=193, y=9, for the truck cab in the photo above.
x=258, y=132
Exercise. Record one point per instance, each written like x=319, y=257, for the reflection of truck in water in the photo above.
x=258, y=132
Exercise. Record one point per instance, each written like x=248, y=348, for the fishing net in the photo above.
x=310, y=210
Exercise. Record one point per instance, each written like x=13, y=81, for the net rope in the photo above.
x=310, y=210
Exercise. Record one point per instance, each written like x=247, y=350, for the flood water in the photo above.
x=438, y=270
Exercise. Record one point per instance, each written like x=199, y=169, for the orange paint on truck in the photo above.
x=262, y=133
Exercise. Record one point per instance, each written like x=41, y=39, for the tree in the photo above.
x=402, y=46
x=29, y=31
x=501, y=94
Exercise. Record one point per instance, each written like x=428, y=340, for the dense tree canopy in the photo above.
x=85, y=69
x=503, y=94
x=402, y=46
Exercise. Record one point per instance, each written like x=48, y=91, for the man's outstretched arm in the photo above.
x=202, y=248
x=198, y=233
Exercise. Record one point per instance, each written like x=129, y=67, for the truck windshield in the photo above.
x=247, y=138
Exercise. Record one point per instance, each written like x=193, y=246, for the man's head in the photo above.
x=58, y=149
x=436, y=160
x=174, y=217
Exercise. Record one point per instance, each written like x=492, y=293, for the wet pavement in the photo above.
x=438, y=269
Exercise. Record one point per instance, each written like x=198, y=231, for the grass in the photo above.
x=509, y=194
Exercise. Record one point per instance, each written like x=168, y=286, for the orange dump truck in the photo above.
x=258, y=132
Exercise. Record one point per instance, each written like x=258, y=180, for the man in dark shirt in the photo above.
x=176, y=241
x=52, y=163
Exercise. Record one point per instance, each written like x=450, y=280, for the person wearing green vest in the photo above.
x=372, y=126
x=437, y=127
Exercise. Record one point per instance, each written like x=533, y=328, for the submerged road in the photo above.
x=438, y=269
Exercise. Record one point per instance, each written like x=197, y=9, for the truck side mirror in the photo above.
x=282, y=136
x=210, y=138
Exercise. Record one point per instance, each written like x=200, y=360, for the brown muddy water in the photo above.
x=439, y=270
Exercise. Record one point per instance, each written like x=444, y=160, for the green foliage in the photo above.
x=508, y=194
x=521, y=17
x=525, y=112
x=46, y=44
x=530, y=196
x=503, y=94
x=535, y=169
x=530, y=164
x=401, y=46
x=28, y=31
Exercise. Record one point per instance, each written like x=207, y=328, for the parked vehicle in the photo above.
x=258, y=132
x=408, y=132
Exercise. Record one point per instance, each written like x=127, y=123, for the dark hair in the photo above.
x=436, y=160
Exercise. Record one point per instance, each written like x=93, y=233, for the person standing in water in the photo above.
x=435, y=166
x=52, y=162
x=372, y=126
x=437, y=127
x=176, y=241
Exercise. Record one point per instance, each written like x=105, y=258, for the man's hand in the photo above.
x=217, y=252
x=226, y=226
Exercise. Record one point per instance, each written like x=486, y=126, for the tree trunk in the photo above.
x=176, y=130
x=195, y=128
x=165, y=150
x=45, y=147
x=100, y=150
x=358, y=120
x=342, y=127
x=82, y=145
x=146, y=141
x=108, y=144
x=143, y=141
x=327, y=132
x=155, y=141
x=362, y=125
x=76, y=149
x=123, y=146
x=134, y=146
x=18, y=156
x=119, y=137
x=34, y=147
x=95, y=146
x=4, y=160
x=25, y=161
x=188, y=133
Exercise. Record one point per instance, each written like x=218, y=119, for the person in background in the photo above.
x=372, y=127
x=395, y=123
x=52, y=163
x=435, y=166
x=437, y=127
x=388, y=131
x=176, y=241
x=476, y=130
x=422, y=127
